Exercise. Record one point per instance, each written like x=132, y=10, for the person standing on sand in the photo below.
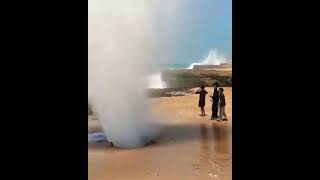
x=222, y=106
x=202, y=99
x=215, y=101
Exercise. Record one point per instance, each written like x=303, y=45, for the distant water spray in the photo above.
x=155, y=81
x=213, y=58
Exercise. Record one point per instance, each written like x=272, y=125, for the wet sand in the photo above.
x=189, y=147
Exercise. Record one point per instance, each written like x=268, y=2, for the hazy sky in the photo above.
x=178, y=31
x=203, y=25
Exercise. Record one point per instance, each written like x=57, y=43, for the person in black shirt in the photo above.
x=222, y=106
x=215, y=101
x=202, y=99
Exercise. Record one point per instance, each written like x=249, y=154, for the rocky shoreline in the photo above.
x=199, y=75
x=168, y=92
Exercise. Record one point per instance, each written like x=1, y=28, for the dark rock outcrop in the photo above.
x=188, y=78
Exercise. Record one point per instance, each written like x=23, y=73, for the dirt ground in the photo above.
x=189, y=147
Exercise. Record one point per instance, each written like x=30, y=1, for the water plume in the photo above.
x=123, y=42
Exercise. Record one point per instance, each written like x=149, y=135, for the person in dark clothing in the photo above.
x=222, y=106
x=202, y=99
x=215, y=102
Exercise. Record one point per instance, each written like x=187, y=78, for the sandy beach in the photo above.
x=189, y=147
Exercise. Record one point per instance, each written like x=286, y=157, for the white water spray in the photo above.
x=155, y=81
x=123, y=41
x=213, y=58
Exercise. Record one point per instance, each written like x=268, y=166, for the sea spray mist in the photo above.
x=121, y=46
